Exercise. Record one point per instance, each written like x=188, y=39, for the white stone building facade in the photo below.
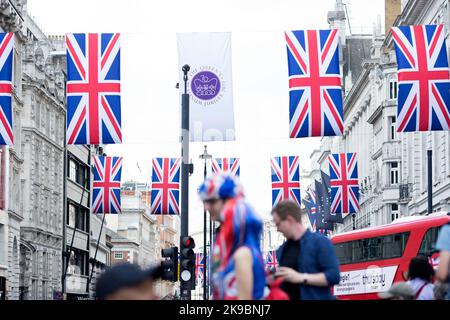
x=42, y=125
x=392, y=166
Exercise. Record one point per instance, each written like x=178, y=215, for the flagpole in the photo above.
x=66, y=252
x=185, y=286
x=95, y=255
x=205, y=156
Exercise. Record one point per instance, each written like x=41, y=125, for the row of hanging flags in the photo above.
x=315, y=108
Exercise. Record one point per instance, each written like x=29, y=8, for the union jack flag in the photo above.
x=165, y=186
x=93, y=88
x=231, y=165
x=344, y=183
x=106, y=185
x=434, y=260
x=285, y=179
x=6, y=66
x=271, y=260
x=315, y=92
x=310, y=204
x=199, y=266
x=423, y=78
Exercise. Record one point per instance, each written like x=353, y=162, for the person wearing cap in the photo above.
x=398, y=291
x=127, y=281
x=237, y=264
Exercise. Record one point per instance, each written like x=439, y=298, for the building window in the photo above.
x=78, y=217
x=34, y=289
x=79, y=173
x=78, y=262
x=35, y=263
x=394, y=211
x=392, y=128
x=44, y=290
x=45, y=262
x=394, y=173
x=393, y=89
x=72, y=170
x=118, y=255
x=2, y=245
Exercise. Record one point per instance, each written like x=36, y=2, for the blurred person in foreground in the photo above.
x=237, y=264
x=398, y=291
x=442, y=274
x=420, y=277
x=128, y=282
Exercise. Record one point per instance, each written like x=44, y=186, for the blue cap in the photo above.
x=122, y=276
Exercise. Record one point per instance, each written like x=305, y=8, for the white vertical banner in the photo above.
x=209, y=84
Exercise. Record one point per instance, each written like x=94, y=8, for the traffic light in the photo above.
x=170, y=265
x=187, y=265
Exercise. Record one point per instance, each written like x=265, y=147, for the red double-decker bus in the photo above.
x=372, y=259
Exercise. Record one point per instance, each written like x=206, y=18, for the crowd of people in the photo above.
x=308, y=266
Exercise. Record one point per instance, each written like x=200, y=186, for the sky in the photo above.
x=149, y=73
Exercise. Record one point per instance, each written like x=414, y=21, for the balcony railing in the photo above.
x=405, y=192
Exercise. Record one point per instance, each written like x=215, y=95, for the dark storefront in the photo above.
x=2, y=288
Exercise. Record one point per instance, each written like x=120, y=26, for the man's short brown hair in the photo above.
x=287, y=208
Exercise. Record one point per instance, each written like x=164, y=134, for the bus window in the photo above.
x=377, y=248
x=428, y=242
x=394, y=245
x=344, y=252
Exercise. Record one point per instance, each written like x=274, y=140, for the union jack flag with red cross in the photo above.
x=106, y=184
x=423, y=78
x=315, y=92
x=344, y=183
x=271, y=260
x=165, y=186
x=93, y=88
x=199, y=267
x=229, y=165
x=285, y=179
x=6, y=68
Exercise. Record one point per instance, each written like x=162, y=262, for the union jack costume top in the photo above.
x=6, y=66
x=271, y=260
x=106, y=185
x=199, y=266
x=315, y=92
x=285, y=179
x=344, y=183
x=423, y=78
x=165, y=186
x=93, y=88
x=231, y=165
x=240, y=227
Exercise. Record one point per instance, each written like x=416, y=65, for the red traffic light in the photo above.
x=187, y=242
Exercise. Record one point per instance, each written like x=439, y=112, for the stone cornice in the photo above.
x=41, y=231
x=32, y=84
x=15, y=215
x=410, y=16
x=15, y=156
x=43, y=137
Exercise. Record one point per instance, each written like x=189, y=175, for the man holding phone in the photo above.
x=307, y=260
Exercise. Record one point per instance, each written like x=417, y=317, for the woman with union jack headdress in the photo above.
x=237, y=263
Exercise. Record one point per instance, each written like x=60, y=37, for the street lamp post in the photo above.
x=205, y=156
